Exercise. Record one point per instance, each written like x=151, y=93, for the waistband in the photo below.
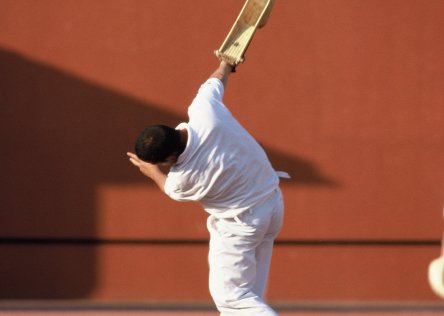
x=265, y=199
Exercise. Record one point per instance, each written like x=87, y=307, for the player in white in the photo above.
x=214, y=160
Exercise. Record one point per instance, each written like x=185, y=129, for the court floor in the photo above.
x=141, y=309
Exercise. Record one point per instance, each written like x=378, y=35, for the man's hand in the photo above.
x=145, y=167
x=150, y=170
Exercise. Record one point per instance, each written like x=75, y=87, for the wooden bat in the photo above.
x=254, y=15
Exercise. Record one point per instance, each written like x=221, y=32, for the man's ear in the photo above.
x=171, y=159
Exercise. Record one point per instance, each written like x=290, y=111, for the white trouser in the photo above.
x=240, y=255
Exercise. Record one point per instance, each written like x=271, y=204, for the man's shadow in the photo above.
x=61, y=137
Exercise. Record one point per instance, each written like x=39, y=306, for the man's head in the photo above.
x=158, y=144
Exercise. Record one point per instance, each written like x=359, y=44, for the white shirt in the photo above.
x=222, y=166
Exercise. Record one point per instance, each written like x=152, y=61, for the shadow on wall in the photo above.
x=61, y=137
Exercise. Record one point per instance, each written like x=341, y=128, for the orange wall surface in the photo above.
x=345, y=95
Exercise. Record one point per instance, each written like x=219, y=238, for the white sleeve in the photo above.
x=213, y=88
x=210, y=93
x=172, y=189
x=207, y=106
x=180, y=191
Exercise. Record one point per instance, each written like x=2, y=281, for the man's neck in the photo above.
x=183, y=139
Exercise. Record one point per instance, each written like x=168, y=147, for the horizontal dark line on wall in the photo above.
x=173, y=242
x=360, y=242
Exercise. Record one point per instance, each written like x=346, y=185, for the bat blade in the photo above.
x=254, y=15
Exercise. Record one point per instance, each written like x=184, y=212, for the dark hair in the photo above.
x=155, y=143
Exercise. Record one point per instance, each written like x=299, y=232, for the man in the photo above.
x=215, y=161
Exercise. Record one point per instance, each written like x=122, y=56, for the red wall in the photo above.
x=345, y=95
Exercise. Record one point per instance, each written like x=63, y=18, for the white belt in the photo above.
x=283, y=174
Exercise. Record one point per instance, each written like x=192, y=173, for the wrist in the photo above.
x=226, y=65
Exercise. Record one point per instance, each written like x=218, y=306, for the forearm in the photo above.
x=222, y=72
x=159, y=178
x=152, y=171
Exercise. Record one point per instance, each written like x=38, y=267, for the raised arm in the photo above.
x=222, y=72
